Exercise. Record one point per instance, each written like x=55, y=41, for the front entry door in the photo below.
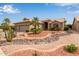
x=45, y=25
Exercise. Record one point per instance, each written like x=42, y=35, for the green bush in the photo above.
x=71, y=48
x=27, y=30
x=54, y=28
x=51, y=28
x=39, y=30
x=66, y=28
x=36, y=30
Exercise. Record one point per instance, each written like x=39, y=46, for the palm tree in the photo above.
x=65, y=22
x=8, y=29
x=24, y=19
x=35, y=23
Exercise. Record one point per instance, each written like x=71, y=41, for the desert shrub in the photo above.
x=54, y=28
x=66, y=28
x=36, y=30
x=39, y=30
x=69, y=25
x=33, y=30
x=71, y=48
x=35, y=54
x=27, y=30
x=51, y=28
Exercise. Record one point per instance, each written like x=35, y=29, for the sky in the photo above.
x=17, y=11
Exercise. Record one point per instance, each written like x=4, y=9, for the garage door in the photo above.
x=23, y=28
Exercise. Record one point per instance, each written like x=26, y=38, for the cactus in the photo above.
x=10, y=34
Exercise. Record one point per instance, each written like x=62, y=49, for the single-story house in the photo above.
x=44, y=24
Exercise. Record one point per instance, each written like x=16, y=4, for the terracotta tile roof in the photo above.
x=47, y=20
x=24, y=21
x=51, y=20
x=11, y=24
x=60, y=20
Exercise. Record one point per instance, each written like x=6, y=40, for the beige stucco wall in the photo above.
x=61, y=25
x=75, y=25
x=23, y=25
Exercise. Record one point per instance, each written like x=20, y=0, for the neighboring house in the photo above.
x=75, y=25
x=44, y=24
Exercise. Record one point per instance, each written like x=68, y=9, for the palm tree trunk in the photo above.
x=5, y=35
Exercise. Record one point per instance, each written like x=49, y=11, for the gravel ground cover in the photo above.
x=20, y=46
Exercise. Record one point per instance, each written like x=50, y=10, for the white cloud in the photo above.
x=9, y=9
x=65, y=4
x=73, y=12
x=71, y=8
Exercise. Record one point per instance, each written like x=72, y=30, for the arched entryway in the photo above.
x=55, y=25
x=45, y=25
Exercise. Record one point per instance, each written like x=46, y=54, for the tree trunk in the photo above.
x=5, y=34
